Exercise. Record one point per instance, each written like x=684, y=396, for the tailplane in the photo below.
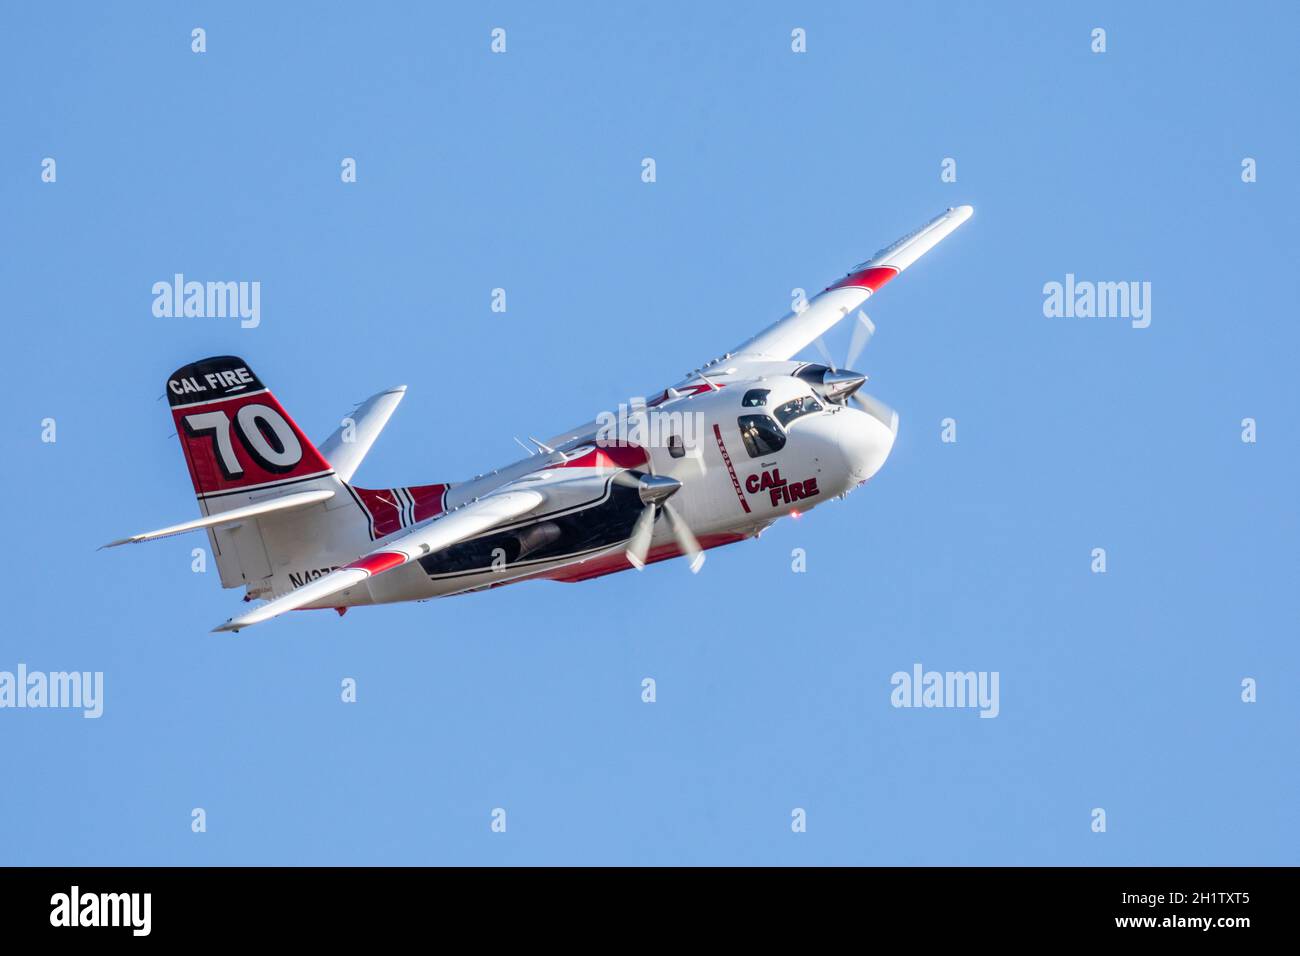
x=278, y=511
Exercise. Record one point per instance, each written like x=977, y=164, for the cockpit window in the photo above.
x=805, y=405
x=755, y=397
x=761, y=435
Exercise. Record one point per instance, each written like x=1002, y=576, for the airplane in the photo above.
x=745, y=439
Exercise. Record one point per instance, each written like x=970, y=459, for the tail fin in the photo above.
x=291, y=517
x=236, y=437
x=244, y=451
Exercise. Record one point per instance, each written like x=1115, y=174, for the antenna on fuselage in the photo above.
x=707, y=381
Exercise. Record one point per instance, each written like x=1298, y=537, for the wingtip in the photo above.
x=961, y=212
x=229, y=625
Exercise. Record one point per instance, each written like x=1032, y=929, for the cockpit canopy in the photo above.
x=797, y=408
x=761, y=435
x=788, y=399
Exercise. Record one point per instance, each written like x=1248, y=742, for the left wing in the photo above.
x=438, y=533
x=797, y=331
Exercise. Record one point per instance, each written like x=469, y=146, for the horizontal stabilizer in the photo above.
x=458, y=525
x=299, y=500
x=350, y=443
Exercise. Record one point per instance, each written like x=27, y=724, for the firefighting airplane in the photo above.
x=772, y=436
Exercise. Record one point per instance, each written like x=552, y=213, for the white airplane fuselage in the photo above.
x=727, y=492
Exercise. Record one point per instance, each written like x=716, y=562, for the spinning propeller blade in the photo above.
x=824, y=352
x=639, y=544
x=877, y=410
x=863, y=330
x=686, y=541
x=655, y=490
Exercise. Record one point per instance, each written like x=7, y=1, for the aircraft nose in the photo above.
x=866, y=438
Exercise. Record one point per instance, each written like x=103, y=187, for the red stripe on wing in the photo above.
x=380, y=562
x=871, y=278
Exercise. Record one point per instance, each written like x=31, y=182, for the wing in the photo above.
x=352, y=440
x=796, y=331
x=441, y=532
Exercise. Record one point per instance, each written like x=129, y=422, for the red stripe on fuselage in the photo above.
x=608, y=456
x=726, y=458
x=613, y=563
x=428, y=500
x=384, y=506
x=687, y=391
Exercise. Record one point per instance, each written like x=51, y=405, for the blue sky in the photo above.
x=775, y=170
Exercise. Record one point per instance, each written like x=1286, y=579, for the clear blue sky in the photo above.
x=775, y=170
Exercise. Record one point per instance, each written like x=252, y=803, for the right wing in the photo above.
x=797, y=331
x=442, y=532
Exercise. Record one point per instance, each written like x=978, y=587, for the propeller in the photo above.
x=686, y=541
x=877, y=410
x=655, y=490
x=863, y=330
x=841, y=386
